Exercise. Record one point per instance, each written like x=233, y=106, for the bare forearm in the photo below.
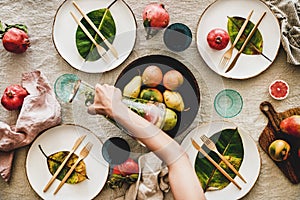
x=183, y=180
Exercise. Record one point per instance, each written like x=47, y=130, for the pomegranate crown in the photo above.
x=4, y=29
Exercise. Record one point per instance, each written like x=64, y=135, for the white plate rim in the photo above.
x=249, y=173
x=93, y=67
x=234, y=73
x=88, y=187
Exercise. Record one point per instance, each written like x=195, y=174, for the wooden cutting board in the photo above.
x=291, y=166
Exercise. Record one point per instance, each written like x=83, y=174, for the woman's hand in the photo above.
x=107, y=100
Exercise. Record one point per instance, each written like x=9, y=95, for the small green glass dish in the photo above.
x=228, y=103
x=64, y=86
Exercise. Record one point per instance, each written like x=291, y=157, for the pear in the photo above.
x=173, y=100
x=170, y=120
x=132, y=89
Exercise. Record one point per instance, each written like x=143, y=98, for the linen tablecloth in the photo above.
x=38, y=15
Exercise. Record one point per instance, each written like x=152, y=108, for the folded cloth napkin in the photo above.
x=153, y=181
x=288, y=13
x=39, y=112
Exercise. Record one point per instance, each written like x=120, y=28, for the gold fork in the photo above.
x=76, y=145
x=194, y=143
x=211, y=145
x=83, y=154
x=228, y=54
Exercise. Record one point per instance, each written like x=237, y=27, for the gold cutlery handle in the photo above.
x=100, y=49
x=242, y=29
x=245, y=43
x=108, y=44
x=76, y=145
x=215, y=164
x=67, y=176
x=252, y=32
x=230, y=166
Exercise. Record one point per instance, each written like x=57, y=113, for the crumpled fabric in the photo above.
x=153, y=181
x=39, y=112
x=288, y=13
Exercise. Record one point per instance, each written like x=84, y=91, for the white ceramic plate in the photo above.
x=62, y=138
x=64, y=29
x=247, y=66
x=249, y=169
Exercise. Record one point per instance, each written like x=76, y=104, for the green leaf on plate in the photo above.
x=229, y=144
x=255, y=46
x=102, y=19
x=55, y=160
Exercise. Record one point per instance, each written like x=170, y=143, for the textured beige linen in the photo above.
x=42, y=55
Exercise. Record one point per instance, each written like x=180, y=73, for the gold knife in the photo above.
x=76, y=145
x=99, y=48
x=214, y=163
x=108, y=44
x=212, y=146
x=245, y=43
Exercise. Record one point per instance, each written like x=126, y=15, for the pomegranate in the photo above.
x=126, y=168
x=217, y=38
x=13, y=97
x=15, y=38
x=155, y=17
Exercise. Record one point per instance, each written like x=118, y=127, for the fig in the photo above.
x=217, y=39
x=173, y=100
x=14, y=38
x=133, y=88
x=152, y=76
x=151, y=94
x=170, y=120
x=291, y=125
x=279, y=150
x=172, y=79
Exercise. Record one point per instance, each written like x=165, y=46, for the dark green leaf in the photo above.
x=255, y=46
x=102, y=19
x=230, y=145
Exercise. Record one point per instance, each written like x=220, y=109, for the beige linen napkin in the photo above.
x=288, y=13
x=39, y=112
x=153, y=181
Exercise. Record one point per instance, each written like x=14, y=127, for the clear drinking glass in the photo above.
x=70, y=88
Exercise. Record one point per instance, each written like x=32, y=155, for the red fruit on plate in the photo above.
x=14, y=38
x=217, y=39
x=13, y=97
x=279, y=89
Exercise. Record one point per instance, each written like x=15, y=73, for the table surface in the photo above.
x=38, y=15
